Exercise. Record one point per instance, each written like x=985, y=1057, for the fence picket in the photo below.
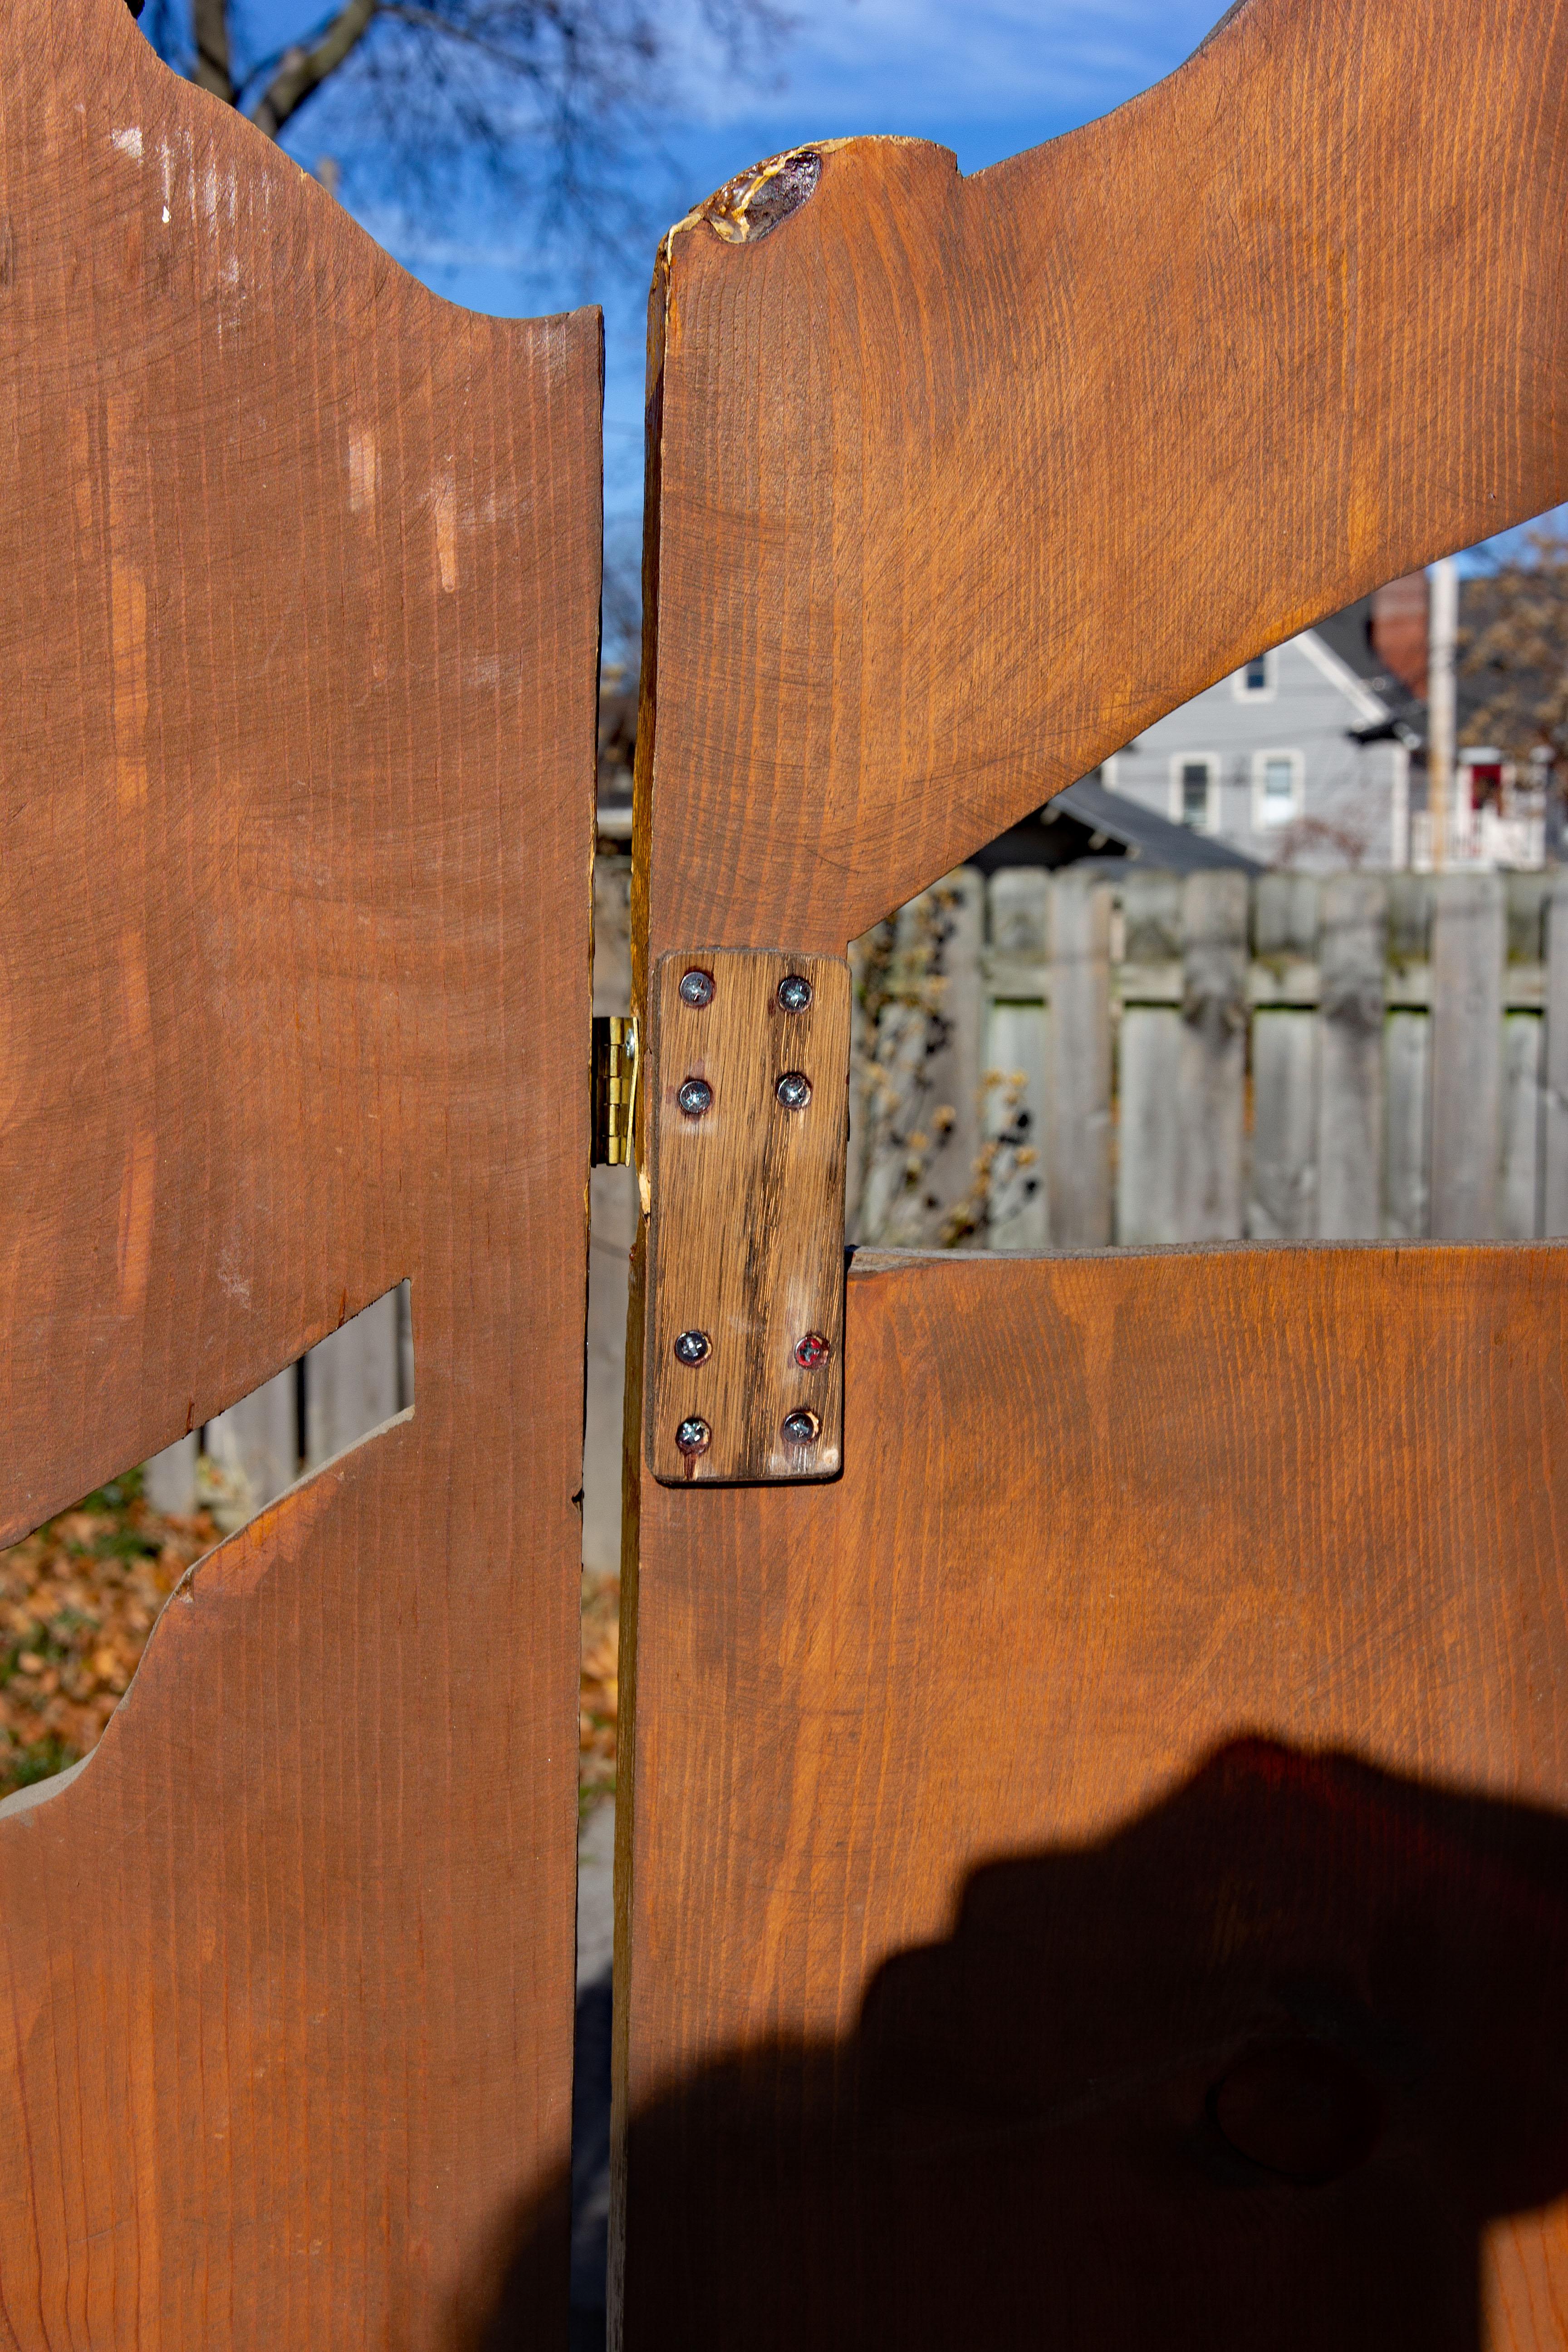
x=1147, y=1206
x=1554, y=1155
x=351, y=1381
x=1469, y=938
x=1283, y=1202
x=1353, y=955
x=1406, y=1063
x=256, y=1444
x=954, y=1071
x=1519, y=1190
x=169, y=1479
x=1017, y=1046
x=1080, y=1062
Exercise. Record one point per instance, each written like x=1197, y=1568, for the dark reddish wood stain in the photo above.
x=298, y=619
x=1102, y=1522
x=960, y=483
x=955, y=484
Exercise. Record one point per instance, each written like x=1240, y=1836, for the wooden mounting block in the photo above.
x=749, y=1075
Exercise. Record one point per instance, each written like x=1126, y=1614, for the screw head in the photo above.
x=694, y=1096
x=800, y=1428
x=794, y=992
x=693, y=1436
x=694, y=1347
x=793, y=1090
x=811, y=1350
x=696, y=988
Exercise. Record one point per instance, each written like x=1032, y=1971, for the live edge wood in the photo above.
x=746, y=1229
x=957, y=484
x=1102, y=1519
x=298, y=596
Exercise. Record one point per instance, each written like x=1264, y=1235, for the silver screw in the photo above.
x=694, y=1096
x=793, y=1090
x=693, y=1436
x=696, y=988
x=801, y=1428
x=794, y=992
x=694, y=1347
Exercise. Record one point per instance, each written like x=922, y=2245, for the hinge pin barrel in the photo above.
x=614, y=1087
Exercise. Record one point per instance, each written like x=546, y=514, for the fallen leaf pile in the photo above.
x=77, y=1599
x=598, y=1702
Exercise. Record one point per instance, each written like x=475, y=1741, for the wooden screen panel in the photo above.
x=298, y=587
x=960, y=483
x=955, y=484
x=1102, y=1867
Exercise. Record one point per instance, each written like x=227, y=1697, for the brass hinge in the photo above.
x=614, y=1087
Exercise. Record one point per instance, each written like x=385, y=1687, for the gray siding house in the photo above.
x=1295, y=760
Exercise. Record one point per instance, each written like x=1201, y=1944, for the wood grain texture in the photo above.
x=959, y=483
x=299, y=590
x=954, y=486
x=1211, y=1058
x=746, y=1230
x=1102, y=1523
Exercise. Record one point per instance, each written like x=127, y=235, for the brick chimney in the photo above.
x=1399, y=630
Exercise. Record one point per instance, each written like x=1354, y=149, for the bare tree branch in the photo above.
x=209, y=20
x=540, y=111
x=1514, y=652
x=304, y=70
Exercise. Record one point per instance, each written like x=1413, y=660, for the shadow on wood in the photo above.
x=1259, y=2069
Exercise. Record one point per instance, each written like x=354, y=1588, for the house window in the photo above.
x=1275, y=789
x=1256, y=683
x=1193, y=779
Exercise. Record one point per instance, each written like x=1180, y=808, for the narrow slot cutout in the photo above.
x=79, y=1595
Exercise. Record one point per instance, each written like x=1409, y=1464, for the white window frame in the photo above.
x=1262, y=822
x=1210, y=759
x=1270, y=686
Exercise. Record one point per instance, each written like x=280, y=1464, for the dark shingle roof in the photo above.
x=1087, y=822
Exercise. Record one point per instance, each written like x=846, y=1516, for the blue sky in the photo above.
x=985, y=78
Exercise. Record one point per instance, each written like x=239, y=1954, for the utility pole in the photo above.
x=1443, y=628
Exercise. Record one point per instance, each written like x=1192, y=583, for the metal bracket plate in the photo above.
x=747, y=1111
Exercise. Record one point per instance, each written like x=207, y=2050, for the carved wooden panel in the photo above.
x=299, y=612
x=1100, y=1867
x=956, y=485
x=960, y=483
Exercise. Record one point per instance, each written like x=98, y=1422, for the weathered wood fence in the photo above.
x=333, y=1396
x=1071, y=1060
